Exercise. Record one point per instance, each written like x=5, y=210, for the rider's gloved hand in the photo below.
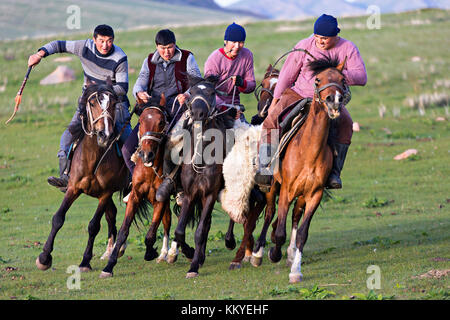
x=239, y=81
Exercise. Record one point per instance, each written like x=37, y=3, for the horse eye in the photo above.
x=317, y=80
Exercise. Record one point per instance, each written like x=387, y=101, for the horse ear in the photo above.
x=269, y=68
x=341, y=65
x=108, y=81
x=162, y=101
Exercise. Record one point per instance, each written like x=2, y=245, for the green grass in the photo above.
x=393, y=214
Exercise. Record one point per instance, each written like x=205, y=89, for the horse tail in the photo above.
x=194, y=218
x=143, y=213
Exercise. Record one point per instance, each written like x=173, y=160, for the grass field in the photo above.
x=391, y=214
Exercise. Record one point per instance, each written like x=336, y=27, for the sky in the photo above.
x=224, y=3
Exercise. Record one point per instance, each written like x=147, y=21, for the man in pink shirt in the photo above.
x=233, y=64
x=296, y=82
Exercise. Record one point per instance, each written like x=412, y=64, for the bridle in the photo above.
x=156, y=136
x=105, y=113
x=317, y=90
x=260, y=89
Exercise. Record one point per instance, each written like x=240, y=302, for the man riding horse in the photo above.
x=324, y=42
x=100, y=58
x=233, y=64
x=164, y=71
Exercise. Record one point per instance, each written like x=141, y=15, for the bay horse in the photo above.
x=147, y=176
x=88, y=176
x=306, y=164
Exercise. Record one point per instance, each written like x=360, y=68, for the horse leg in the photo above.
x=93, y=229
x=110, y=216
x=44, y=261
x=246, y=248
x=167, y=221
x=296, y=215
x=230, y=242
x=180, y=232
x=150, y=238
x=122, y=236
x=302, y=234
x=201, y=237
x=258, y=251
x=275, y=253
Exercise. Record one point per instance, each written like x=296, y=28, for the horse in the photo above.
x=147, y=177
x=90, y=176
x=201, y=177
x=306, y=164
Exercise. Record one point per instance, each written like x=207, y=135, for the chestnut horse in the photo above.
x=88, y=176
x=306, y=164
x=147, y=177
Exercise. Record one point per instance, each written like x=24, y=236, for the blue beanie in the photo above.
x=326, y=26
x=234, y=32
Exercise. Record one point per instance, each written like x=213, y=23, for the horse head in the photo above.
x=329, y=85
x=203, y=97
x=100, y=101
x=152, y=128
x=264, y=92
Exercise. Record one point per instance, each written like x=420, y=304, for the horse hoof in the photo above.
x=295, y=277
x=41, y=266
x=171, y=259
x=273, y=258
x=256, y=261
x=85, y=269
x=230, y=244
x=105, y=275
x=190, y=275
x=151, y=255
x=234, y=266
x=161, y=258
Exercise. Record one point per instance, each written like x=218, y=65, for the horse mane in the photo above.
x=319, y=65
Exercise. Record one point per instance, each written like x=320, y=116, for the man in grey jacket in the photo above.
x=100, y=59
x=165, y=71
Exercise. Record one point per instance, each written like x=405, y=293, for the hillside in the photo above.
x=24, y=18
x=294, y=9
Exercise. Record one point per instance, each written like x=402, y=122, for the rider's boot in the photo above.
x=334, y=180
x=61, y=182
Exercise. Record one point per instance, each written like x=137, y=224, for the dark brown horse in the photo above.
x=147, y=177
x=306, y=165
x=201, y=177
x=110, y=176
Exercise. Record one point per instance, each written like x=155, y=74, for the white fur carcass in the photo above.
x=239, y=169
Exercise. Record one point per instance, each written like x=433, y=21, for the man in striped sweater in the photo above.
x=100, y=58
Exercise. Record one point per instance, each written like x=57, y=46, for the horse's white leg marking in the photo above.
x=173, y=253
x=292, y=246
x=164, y=249
x=109, y=249
x=296, y=275
x=259, y=254
x=104, y=106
